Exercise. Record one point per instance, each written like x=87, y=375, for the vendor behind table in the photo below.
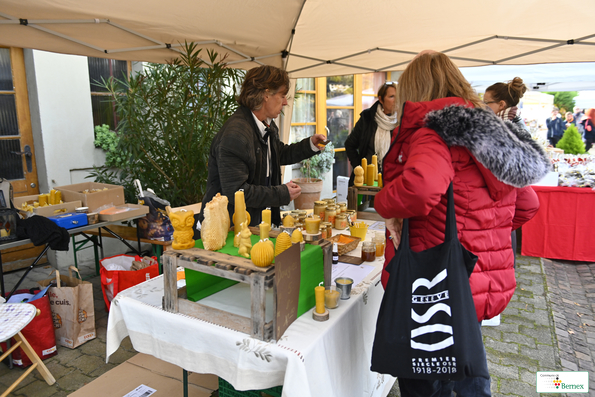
x=247, y=152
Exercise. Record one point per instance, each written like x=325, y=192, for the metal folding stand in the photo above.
x=47, y=247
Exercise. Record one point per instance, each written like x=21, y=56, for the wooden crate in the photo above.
x=352, y=193
x=280, y=277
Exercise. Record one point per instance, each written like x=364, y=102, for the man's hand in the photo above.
x=294, y=190
x=395, y=228
x=319, y=140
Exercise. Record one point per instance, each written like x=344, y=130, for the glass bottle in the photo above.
x=379, y=240
x=368, y=251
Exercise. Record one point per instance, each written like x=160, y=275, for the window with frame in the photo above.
x=303, y=119
x=101, y=69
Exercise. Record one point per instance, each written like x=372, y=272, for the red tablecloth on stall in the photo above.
x=564, y=226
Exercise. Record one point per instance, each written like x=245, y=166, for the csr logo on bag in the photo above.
x=438, y=306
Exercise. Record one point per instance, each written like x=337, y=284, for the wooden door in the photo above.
x=17, y=153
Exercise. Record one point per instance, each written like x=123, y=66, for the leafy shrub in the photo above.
x=169, y=115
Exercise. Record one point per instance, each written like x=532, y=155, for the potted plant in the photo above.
x=313, y=171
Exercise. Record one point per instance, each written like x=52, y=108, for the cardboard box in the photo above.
x=134, y=209
x=114, y=194
x=45, y=211
x=144, y=369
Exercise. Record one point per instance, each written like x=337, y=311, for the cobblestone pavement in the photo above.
x=549, y=325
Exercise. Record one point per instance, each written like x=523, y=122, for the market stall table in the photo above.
x=72, y=232
x=563, y=226
x=330, y=358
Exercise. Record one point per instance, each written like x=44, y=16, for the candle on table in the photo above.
x=264, y=230
x=375, y=162
x=266, y=216
x=312, y=224
x=240, y=211
x=379, y=179
x=370, y=174
x=319, y=297
x=364, y=164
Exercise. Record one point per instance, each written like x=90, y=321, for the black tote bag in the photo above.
x=427, y=327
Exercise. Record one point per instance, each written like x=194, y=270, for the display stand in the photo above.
x=352, y=194
x=280, y=277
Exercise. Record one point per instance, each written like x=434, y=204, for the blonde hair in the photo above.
x=432, y=76
x=510, y=92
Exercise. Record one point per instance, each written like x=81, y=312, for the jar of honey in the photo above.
x=368, y=251
x=329, y=229
x=323, y=232
x=341, y=222
x=319, y=208
x=379, y=240
x=330, y=201
x=352, y=215
x=330, y=214
x=342, y=207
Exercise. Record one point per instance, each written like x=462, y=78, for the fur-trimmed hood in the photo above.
x=505, y=149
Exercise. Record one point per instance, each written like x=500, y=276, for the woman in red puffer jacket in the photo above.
x=446, y=136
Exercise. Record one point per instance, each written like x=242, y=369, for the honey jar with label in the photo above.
x=341, y=222
x=330, y=214
x=319, y=208
x=329, y=228
x=342, y=207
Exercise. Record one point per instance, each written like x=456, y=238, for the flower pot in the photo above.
x=311, y=189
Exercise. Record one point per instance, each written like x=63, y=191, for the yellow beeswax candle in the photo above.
x=266, y=216
x=364, y=164
x=264, y=230
x=312, y=224
x=319, y=297
x=58, y=196
x=240, y=211
x=370, y=175
x=43, y=199
x=379, y=179
x=52, y=197
x=375, y=162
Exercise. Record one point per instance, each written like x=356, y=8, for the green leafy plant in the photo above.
x=319, y=164
x=571, y=142
x=169, y=115
x=564, y=100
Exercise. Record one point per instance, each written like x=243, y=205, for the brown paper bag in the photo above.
x=72, y=307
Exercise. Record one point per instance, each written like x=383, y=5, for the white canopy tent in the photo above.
x=309, y=37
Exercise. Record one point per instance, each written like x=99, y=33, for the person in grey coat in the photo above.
x=248, y=154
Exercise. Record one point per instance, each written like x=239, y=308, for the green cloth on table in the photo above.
x=200, y=285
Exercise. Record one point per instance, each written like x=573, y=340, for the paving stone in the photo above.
x=503, y=371
x=520, y=339
x=516, y=388
x=74, y=381
x=501, y=347
x=37, y=389
x=569, y=365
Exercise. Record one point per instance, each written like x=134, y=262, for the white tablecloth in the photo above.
x=311, y=359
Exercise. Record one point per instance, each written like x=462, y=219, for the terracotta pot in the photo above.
x=311, y=190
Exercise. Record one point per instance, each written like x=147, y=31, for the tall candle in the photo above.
x=240, y=211
x=266, y=216
x=370, y=175
x=364, y=164
x=379, y=179
x=375, y=162
x=264, y=230
x=319, y=297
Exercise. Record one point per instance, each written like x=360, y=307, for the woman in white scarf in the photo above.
x=372, y=132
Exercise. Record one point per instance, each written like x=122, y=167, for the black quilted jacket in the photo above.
x=238, y=161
